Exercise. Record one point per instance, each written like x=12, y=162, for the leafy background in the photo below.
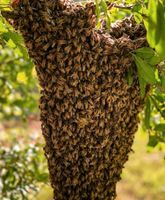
x=23, y=169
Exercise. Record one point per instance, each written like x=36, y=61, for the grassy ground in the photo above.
x=144, y=173
x=143, y=177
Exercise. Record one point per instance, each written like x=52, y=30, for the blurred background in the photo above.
x=23, y=167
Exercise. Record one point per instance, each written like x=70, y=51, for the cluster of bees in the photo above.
x=88, y=110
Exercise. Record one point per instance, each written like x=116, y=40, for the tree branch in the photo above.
x=111, y=5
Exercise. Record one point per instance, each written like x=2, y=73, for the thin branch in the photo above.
x=157, y=107
x=123, y=7
x=113, y=5
x=109, y=5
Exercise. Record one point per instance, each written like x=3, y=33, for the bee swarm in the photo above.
x=88, y=110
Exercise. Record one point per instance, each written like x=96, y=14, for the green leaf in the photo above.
x=160, y=98
x=137, y=7
x=160, y=127
x=153, y=141
x=143, y=85
x=136, y=10
x=97, y=9
x=155, y=25
x=129, y=77
x=149, y=55
x=108, y=22
x=157, y=106
x=147, y=113
x=2, y=26
x=104, y=6
x=151, y=22
x=145, y=52
x=163, y=82
x=159, y=17
x=138, y=18
x=155, y=60
x=160, y=30
x=17, y=39
x=23, y=51
x=11, y=44
x=145, y=71
x=42, y=177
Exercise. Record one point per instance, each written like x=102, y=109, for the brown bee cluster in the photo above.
x=88, y=110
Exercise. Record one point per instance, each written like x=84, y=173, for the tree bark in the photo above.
x=89, y=113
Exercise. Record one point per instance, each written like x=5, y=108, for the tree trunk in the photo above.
x=88, y=110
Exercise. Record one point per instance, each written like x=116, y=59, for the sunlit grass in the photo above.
x=144, y=173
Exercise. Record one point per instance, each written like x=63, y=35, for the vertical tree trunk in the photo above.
x=88, y=111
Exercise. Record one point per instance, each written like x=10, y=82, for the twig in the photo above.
x=123, y=7
x=130, y=7
x=111, y=5
x=157, y=107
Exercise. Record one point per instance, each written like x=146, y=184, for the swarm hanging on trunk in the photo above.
x=88, y=110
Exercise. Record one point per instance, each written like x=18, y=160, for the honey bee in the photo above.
x=14, y=3
x=88, y=111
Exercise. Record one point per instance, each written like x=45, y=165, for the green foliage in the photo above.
x=155, y=25
x=144, y=68
x=20, y=172
x=151, y=72
x=19, y=92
